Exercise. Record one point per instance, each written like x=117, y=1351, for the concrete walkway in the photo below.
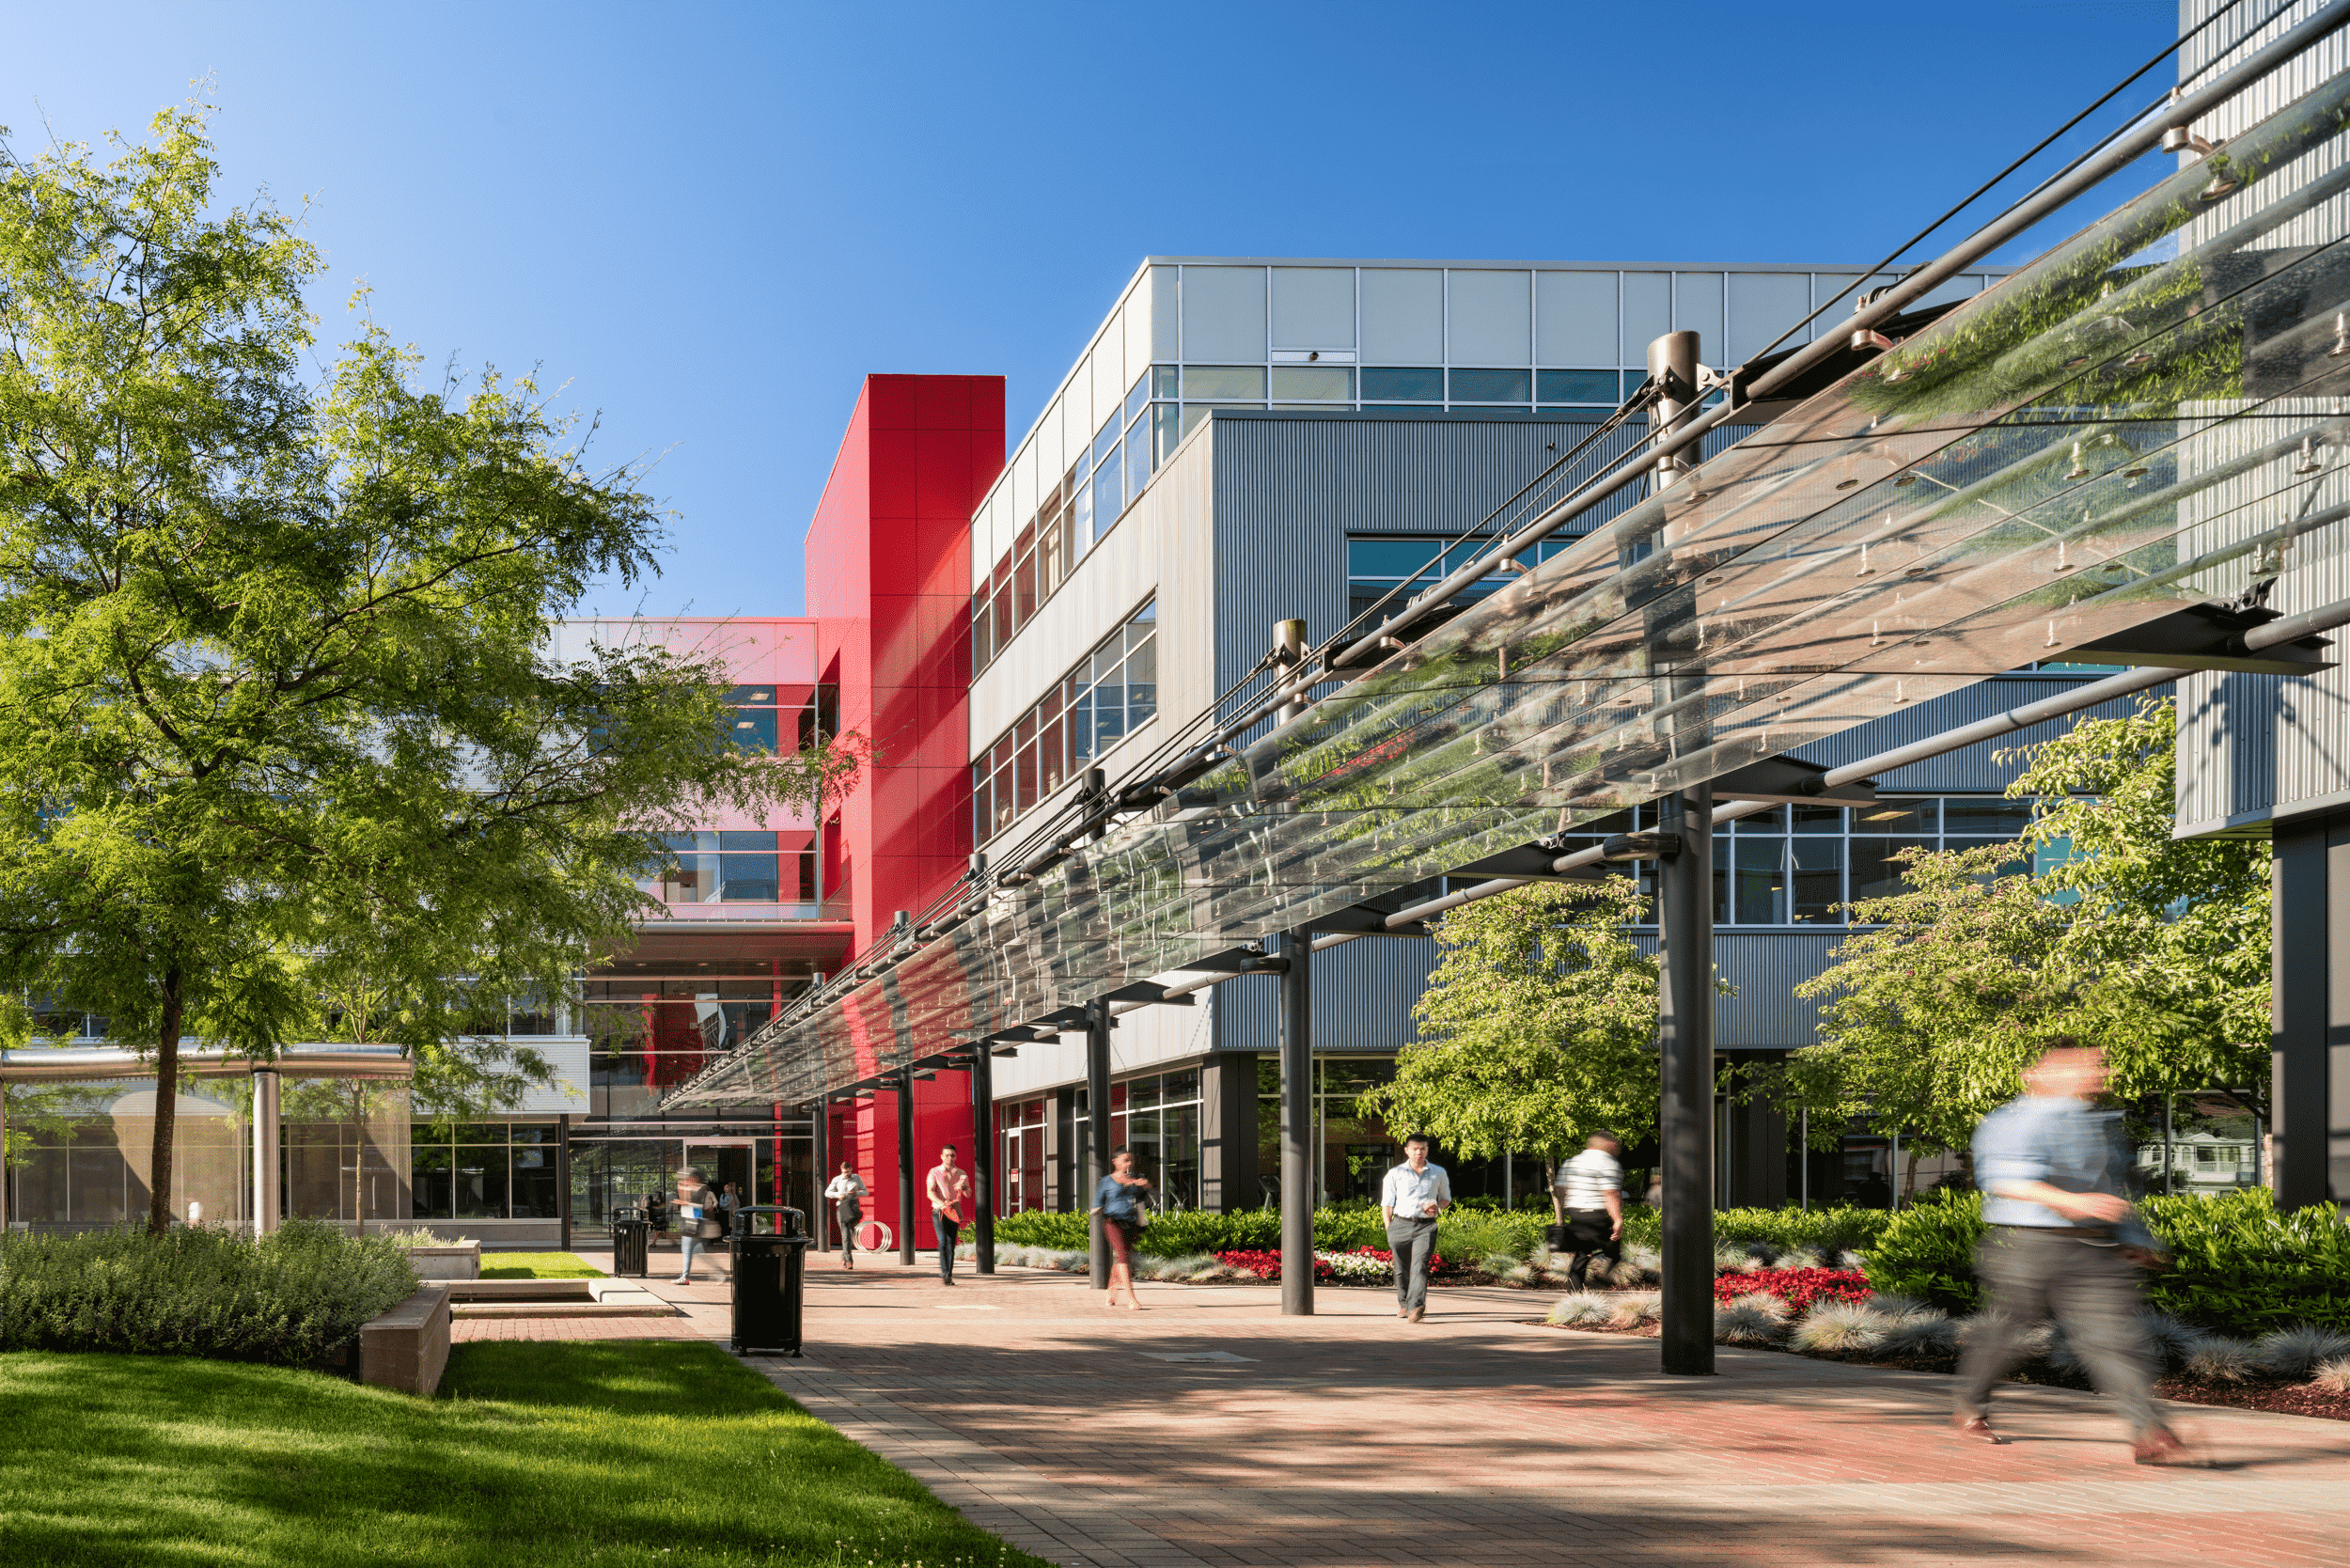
x=1212, y=1429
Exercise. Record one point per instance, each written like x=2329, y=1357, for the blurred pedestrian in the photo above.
x=727, y=1203
x=1588, y=1201
x=1413, y=1196
x=949, y=1188
x=696, y=1219
x=2064, y=1243
x=1123, y=1200
x=656, y=1217
x=847, y=1193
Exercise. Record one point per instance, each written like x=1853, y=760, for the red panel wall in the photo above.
x=890, y=586
x=888, y=581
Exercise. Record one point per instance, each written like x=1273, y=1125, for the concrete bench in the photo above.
x=455, y=1260
x=555, y=1298
x=407, y=1348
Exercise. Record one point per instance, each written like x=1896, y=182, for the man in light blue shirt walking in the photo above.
x=2064, y=1243
x=1411, y=1197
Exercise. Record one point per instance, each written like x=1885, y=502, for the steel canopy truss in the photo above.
x=2108, y=454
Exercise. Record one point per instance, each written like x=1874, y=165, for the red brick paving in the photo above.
x=1478, y=1437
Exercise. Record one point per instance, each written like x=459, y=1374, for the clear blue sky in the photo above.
x=711, y=220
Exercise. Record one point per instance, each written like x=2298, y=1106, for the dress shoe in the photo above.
x=1976, y=1428
x=2161, y=1446
x=1419, y=1312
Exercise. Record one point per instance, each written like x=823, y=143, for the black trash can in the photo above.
x=630, y=1236
x=770, y=1260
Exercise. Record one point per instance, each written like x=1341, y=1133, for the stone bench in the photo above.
x=555, y=1298
x=455, y=1260
x=407, y=1348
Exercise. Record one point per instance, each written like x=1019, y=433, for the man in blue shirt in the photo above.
x=1411, y=1197
x=2064, y=1243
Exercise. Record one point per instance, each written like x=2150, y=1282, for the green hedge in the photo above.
x=2237, y=1266
x=294, y=1298
x=1465, y=1233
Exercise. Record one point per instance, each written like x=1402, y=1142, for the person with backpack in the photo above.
x=696, y=1219
x=1123, y=1201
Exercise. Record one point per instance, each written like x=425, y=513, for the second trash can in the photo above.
x=769, y=1262
x=631, y=1237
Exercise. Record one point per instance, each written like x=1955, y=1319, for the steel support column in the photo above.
x=265, y=1201
x=820, y=1163
x=2310, y=978
x=983, y=1156
x=1297, y=1125
x=1097, y=1149
x=905, y=1166
x=1685, y=1029
x=563, y=1176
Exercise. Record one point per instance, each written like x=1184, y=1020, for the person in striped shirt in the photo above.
x=1588, y=1201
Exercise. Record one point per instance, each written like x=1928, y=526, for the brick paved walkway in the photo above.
x=1210, y=1430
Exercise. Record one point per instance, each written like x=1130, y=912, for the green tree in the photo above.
x=1537, y=1025
x=287, y=747
x=2174, y=933
x=1930, y=1018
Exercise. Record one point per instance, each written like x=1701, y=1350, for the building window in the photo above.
x=1110, y=694
x=1108, y=478
x=1379, y=564
x=1595, y=388
x=1795, y=865
x=737, y=866
x=1491, y=386
x=771, y=717
x=484, y=1171
x=1020, y=1164
x=1157, y=1116
x=1422, y=386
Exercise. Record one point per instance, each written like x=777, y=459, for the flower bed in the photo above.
x=1362, y=1265
x=1799, y=1288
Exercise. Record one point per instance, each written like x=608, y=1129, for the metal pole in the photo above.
x=2166, y=1136
x=820, y=1161
x=563, y=1176
x=4, y=1161
x=1684, y=1024
x=905, y=1166
x=983, y=1156
x=1297, y=1125
x=1803, y=1164
x=1097, y=1149
x=265, y=1199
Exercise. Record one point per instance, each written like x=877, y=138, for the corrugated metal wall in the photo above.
x=1974, y=769
x=1364, y=992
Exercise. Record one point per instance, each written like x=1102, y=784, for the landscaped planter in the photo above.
x=451, y=1261
x=407, y=1348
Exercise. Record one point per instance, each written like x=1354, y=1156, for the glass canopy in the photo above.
x=2142, y=420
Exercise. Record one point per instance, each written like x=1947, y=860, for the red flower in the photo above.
x=1800, y=1288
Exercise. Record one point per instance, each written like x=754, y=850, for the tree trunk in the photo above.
x=1909, y=1181
x=166, y=1104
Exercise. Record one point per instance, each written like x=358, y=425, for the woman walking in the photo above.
x=1121, y=1202
x=847, y=1191
x=697, y=1220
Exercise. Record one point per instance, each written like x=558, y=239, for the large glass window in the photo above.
x=1422, y=386
x=1111, y=693
x=1491, y=386
x=1594, y=387
x=1377, y=564
x=485, y=1171
x=1794, y=865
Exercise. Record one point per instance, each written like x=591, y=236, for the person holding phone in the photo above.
x=1413, y=1196
x=950, y=1200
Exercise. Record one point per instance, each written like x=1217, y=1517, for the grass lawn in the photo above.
x=537, y=1266
x=631, y=1452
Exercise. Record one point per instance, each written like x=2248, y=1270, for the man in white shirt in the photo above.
x=848, y=1191
x=1588, y=1201
x=1411, y=1197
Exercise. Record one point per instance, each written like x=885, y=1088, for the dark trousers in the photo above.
x=948, y=1234
x=2032, y=1275
x=1414, y=1244
x=1591, y=1233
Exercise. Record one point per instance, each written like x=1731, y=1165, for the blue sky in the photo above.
x=710, y=221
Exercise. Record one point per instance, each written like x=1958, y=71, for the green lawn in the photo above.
x=537, y=1266
x=635, y=1452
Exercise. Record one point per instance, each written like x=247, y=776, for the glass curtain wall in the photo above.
x=1110, y=693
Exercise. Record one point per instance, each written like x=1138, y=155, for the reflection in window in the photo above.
x=1377, y=564
x=737, y=866
x=1795, y=866
x=1110, y=693
x=1491, y=387
x=1424, y=385
x=1575, y=386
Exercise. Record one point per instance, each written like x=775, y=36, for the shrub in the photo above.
x=1754, y=1319
x=1928, y=1251
x=2217, y=1359
x=2334, y=1377
x=2237, y=1264
x=1840, y=1327
x=294, y=1298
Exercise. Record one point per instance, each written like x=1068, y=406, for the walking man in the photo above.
x=950, y=1199
x=1588, y=1201
x=847, y=1191
x=1411, y=1197
x=2064, y=1242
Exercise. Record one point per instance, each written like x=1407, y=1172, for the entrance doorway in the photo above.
x=726, y=1162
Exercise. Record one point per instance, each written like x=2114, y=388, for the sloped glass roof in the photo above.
x=2141, y=420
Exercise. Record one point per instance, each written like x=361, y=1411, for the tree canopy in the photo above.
x=2155, y=948
x=1538, y=1027
x=288, y=749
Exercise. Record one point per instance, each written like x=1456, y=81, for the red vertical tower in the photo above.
x=890, y=586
